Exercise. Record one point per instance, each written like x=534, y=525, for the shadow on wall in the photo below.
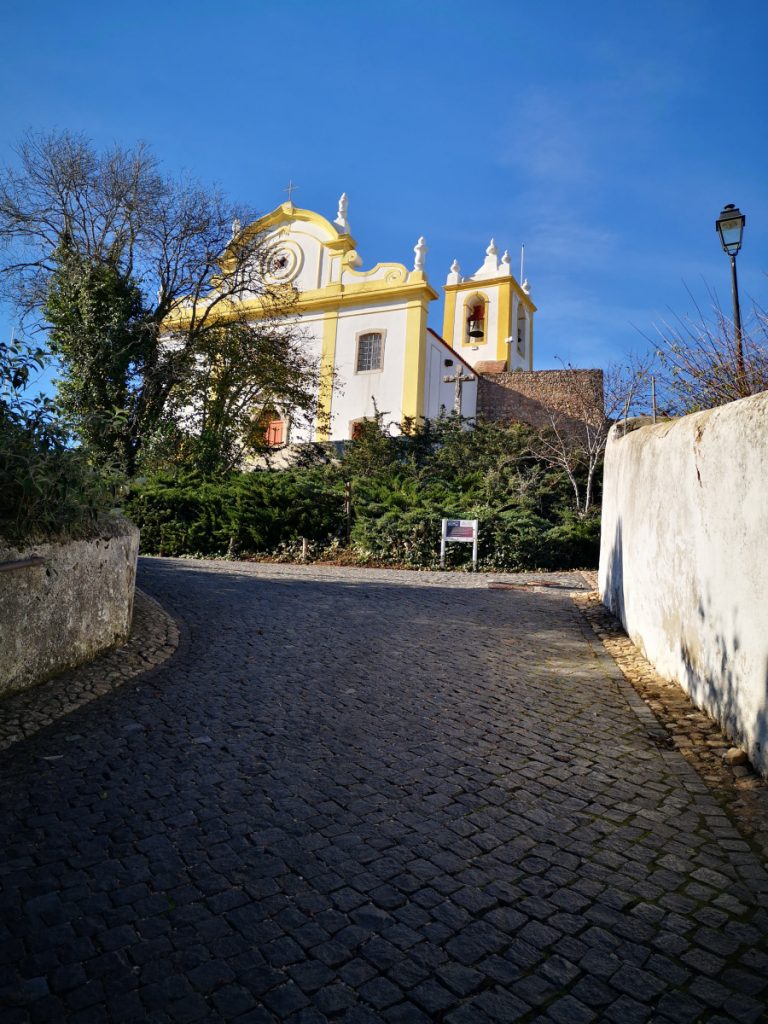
x=717, y=692
x=614, y=577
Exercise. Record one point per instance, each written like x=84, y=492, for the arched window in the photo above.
x=475, y=320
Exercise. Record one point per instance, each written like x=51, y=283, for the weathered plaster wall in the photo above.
x=529, y=396
x=61, y=613
x=684, y=557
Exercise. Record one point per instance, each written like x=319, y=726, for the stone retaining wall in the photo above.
x=530, y=396
x=73, y=601
x=683, y=558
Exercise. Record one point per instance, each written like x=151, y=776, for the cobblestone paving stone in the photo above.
x=154, y=637
x=355, y=796
x=688, y=729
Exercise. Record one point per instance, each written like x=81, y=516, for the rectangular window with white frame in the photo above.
x=370, y=352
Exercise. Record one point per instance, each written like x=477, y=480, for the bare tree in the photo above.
x=78, y=227
x=701, y=363
x=574, y=438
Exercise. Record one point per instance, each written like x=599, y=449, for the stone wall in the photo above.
x=684, y=553
x=529, y=396
x=73, y=601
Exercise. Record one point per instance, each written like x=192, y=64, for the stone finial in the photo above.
x=341, y=221
x=420, y=249
x=506, y=265
x=455, y=268
x=236, y=227
x=526, y=287
x=490, y=267
x=454, y=276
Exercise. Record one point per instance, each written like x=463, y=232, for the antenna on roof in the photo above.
x=522, y=262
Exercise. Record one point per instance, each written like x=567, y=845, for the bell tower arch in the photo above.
x=489, y=315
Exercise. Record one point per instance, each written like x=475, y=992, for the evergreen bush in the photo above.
x=50, y=489
x=402, y=486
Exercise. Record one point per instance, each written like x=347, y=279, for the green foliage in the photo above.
x=48, y=489
x=253, y=512
x=242, y=372
x=402, y=486
x=96, y=315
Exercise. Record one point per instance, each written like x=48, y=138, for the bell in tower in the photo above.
x=488, y=315
x=476, y=321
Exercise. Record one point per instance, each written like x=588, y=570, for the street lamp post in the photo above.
x=730, y=227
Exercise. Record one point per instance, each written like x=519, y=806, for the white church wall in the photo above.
x=310, y=329
x=433, y=391
x=355, y=393
x=520, y=360
x=438, y=395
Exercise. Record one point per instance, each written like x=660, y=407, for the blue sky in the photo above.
x=606, y=136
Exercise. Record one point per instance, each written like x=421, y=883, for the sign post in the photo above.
x=459, y=531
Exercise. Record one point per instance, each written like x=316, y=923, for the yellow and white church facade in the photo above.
x=368, y=329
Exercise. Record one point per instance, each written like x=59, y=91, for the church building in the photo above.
x=369, y=329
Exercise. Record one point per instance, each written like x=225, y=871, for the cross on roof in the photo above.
x=290, y=190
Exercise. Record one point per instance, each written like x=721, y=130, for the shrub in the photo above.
x=49, y=489
x=401, y=486
x=574, y=544
x=254, y=512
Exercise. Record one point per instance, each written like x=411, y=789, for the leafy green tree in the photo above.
x=99, y=333
x=49, y=488
x=402, y=485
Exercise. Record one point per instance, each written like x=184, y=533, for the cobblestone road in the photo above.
x=357, y=796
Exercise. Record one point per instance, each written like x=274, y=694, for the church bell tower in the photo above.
x=489, y=315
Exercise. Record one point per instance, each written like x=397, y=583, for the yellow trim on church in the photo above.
x=288, y=212
x=501, y=288
x=327, y=364
x=489, y=282
x=504, y=316
x=336, y=295
x=449, y=316
x=414, y=368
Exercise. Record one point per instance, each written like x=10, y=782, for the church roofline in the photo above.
x=286, y=213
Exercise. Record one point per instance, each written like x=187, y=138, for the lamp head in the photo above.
x=730, y=227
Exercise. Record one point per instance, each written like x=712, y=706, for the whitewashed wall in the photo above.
x=355, y=393
x=684, y=558
x=439, y=396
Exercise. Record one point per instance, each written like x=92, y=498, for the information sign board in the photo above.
x=459, y=531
